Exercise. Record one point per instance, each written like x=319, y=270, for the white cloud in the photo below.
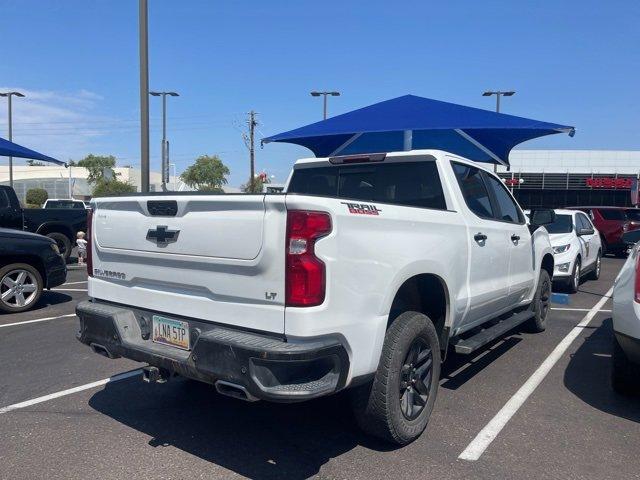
x=62, y=125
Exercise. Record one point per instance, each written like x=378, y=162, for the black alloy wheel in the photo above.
x=415, y=379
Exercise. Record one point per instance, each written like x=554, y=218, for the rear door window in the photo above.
x=473, y=189
x=415, y=184
x=509, y=211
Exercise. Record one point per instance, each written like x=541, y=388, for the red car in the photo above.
x=611, y=222
x=633, y=215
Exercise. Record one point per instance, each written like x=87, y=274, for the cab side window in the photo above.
x=4, y=200
x=473, y=189
x=509, y=211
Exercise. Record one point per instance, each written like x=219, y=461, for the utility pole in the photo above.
x=250, y=141
x=9, y=95
x=144, y=95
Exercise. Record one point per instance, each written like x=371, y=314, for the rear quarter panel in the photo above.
x=368, y=258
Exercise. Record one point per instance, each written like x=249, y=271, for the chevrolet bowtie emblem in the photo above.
x=162, y=235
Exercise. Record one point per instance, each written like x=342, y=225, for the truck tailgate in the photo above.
x=212, y=257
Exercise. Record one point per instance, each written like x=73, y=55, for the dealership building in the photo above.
x=563, y=178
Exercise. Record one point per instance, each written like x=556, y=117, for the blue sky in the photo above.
x=571, y=62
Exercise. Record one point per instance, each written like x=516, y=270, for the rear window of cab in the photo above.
x=414, y=184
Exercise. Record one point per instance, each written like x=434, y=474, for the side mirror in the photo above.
x=631, y=238
x=542, y=216
x=585, y=231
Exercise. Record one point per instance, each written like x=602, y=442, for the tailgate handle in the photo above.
x=162, y=208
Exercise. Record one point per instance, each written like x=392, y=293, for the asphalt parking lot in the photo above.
x=572, y=426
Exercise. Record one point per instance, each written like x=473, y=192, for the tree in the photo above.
x=106, y=188
x=208, y=173
x=34, y=163
x=36, y=196
x=257, y=185
x=98, y=166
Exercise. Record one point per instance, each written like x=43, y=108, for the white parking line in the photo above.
x=69, y=289
x=73, y=283
x=63, y=393
x=579, y=309
x=37, y=320
x=488, y=434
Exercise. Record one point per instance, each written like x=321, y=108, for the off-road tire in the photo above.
x=541, y=304
x=377, y=404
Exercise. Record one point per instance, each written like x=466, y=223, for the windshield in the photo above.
x=633, y=214
x=563, y=224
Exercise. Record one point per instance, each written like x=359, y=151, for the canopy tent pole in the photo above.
x=345, y=145
x=408, y=140
x=476, y=143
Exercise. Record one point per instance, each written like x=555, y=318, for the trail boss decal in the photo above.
x=362, y=208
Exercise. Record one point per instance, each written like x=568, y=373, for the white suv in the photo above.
x=577, y=248
x=362, y=274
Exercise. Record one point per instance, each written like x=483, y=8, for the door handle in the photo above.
x=515, y=238
x=479, y=237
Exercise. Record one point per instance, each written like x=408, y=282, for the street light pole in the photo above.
x=498, y=94
x=9, y=95
x=165, y=144
x=325, y=94
x=144, y=95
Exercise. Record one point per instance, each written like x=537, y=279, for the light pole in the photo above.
x=143, y=42
x=165, y=144
x=325, y=94
x=498, y=94
x=9, y=95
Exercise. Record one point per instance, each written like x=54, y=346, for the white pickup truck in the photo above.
x=363, y=274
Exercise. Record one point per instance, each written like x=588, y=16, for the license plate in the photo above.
x=169, y=331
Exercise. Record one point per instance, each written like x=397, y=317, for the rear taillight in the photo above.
x=637, y=283
x=305, y=275
x=90, y=242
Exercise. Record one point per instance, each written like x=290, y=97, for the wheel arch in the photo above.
x=548, y=264
x=426, y=293
x=47, y=228
x=33, y=260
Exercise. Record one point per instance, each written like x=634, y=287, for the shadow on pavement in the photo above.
x=459, y=369
x=48, y=299
x=588, y=376
x=258, y=440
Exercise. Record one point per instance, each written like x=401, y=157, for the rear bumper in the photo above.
x=268, y=368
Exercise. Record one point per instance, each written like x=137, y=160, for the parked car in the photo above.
x=611, y=222
x=29, y=263
x=633, y=217
x=577, y=248
x=361, y=275
x=64, y=203
x=625, y=373
x=61, y=225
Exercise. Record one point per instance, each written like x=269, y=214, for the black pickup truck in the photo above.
x=61, y=225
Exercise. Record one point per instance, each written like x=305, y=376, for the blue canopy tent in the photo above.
x=10, y=149
x=411, y=123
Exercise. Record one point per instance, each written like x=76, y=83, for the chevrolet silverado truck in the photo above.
x=363, y=274
x=60, y=225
